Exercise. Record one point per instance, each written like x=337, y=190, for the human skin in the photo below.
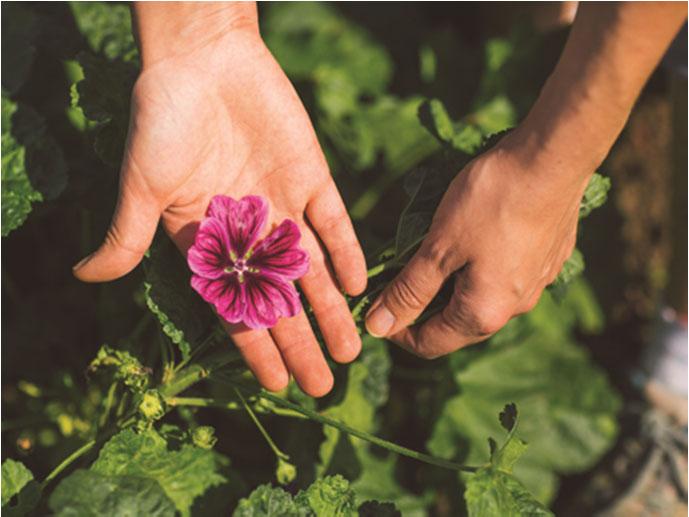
x=213, y=113
x=508, y=221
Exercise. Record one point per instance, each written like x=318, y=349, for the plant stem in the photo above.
x=68, y=461
x=269, y=440
x=197, y=351
x=197, y=372
x=121, y=424
x=109, y=401
x=313, y=415
x=202, y=402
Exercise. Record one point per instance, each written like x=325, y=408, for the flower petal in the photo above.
x=245, y=220
x=210, y=255
x=269, y=298
x=220, y=206
x=227, y=294
x=279, y=253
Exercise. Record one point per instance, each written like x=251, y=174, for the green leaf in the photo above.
x=495, y=116
x=183, y=316
x=460, y=136
x=126, y=367
x=18, y=481
x=595, y=195
x=104, y=95
x=183, y=474
x=107, y=27
x=308, y=38
x=426, y=187
x=435, y=118
x=268, y=501
x=378, y=482
x=330, y=496
x=508, y=416
x=567, y=405
x=366, y=390
x=491, y=492
x=86, y=493
x=33, y=166
x=20, y=28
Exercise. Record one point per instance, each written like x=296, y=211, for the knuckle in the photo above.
x=435, y=252
x=406, y=293
x=489, y=318
x=116, y=239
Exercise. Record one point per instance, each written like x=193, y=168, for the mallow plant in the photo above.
x=397, y=435
x=247, y=276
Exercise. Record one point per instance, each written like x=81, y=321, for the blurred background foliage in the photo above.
x=362, y=71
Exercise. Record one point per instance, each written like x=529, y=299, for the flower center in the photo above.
x=239, y=267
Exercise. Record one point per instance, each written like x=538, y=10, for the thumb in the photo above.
x=129, y=236
x=409, y=293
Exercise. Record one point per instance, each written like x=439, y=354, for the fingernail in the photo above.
x=81, y=262
x=379, y=321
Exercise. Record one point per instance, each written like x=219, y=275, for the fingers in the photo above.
x=329, y=306
x=302, y=355
x=408, y=295
x=290, y=346
x=261, y=355
x=129, y=236
x=474, y=313
x=328, y=216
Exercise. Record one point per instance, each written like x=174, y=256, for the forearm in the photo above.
x=611, y=52
x=165, y=29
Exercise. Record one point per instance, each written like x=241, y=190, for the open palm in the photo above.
x=231, y=123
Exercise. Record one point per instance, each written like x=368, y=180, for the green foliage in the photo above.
x=595, y=195
x=366, y=113
x=19, y=40
x=18, y=481
x=125, y=367
x=14, y=477
x=139, y=471
x=330, y=496
x=103, y=96
x=33, y=167
x=568, y=407
x=204, y=437
x=493, y=490
x=363, y=395
x=459, y=136
x=184, y=318
x=87, y=493
x=107, y=27
x=267, y=501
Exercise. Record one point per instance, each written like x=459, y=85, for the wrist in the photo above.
x=170, y=29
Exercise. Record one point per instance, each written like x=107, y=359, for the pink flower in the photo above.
x=247, y=280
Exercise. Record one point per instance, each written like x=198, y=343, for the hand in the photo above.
x=220, y=117
x=508, y=221
x=504, y=229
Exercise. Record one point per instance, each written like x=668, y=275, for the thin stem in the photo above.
x=202, y=402
x=359, y=307
x=198, y=371
x=262, y=429
x=394, y=262
x=313, y=415
x=68, y=461
x=197, y=351
x=109, y=401
x=225, y=404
